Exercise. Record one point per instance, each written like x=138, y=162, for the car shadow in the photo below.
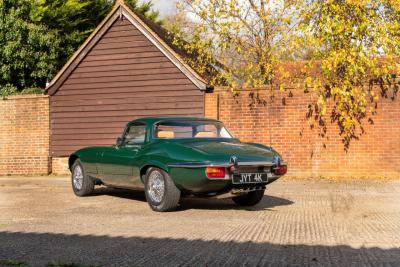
x=120, y=193
x=186, y=203
x=268, y=202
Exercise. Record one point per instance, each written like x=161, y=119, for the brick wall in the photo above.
x=375, y=154
x=59, y=166
x=24, y=135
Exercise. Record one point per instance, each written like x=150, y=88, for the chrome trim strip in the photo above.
x=256, y=163
x=197, y=165
x=225, y=164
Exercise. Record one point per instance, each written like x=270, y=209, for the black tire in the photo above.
x=171, y=195
x=250, y=199
x=87, y=186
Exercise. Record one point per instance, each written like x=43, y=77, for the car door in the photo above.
x=118, y=165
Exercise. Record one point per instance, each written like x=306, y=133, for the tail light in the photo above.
x=280, y=170
x=215, y=172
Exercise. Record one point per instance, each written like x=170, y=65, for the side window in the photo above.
x=206, y=131
x=136, y=134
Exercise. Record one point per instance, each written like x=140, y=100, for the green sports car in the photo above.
x=173, y=157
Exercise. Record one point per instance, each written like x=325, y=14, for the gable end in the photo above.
x=121, y=11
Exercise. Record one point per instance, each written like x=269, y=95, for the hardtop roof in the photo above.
x=152, y=120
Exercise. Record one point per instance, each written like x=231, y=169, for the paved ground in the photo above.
x=297, y=224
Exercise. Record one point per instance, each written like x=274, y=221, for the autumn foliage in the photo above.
x=348, y=51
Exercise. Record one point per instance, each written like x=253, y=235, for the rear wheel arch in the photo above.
x=144, y=169
x=71, y=160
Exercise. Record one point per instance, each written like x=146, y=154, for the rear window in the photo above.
x=190, y=129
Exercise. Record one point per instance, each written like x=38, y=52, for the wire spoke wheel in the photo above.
x=78, y=177
x=161, y=192
x=156, y=188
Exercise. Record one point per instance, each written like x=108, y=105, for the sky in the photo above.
x=166, y=7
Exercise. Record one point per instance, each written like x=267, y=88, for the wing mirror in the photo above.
x=120, y=141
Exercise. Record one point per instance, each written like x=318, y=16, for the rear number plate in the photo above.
x=250, y=178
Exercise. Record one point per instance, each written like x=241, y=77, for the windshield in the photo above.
x=190, y=129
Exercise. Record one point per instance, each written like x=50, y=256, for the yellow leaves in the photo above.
x=287, y=20
x=316, y=85
x=313, y=83
x=357, y=2
x=374, y=96
x=342, y=43
x=308, y=82
x=321, y=102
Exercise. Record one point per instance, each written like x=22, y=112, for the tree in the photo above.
x=71, y=20
x=246, y=36
x=356, y=45
x=28, y=51
x=37, y=37
x=349, y=47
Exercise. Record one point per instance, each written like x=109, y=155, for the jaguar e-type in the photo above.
x=170, y=158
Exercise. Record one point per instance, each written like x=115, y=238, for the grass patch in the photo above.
x=12, y=263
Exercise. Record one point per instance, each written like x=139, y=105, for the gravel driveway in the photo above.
x=299, y=223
